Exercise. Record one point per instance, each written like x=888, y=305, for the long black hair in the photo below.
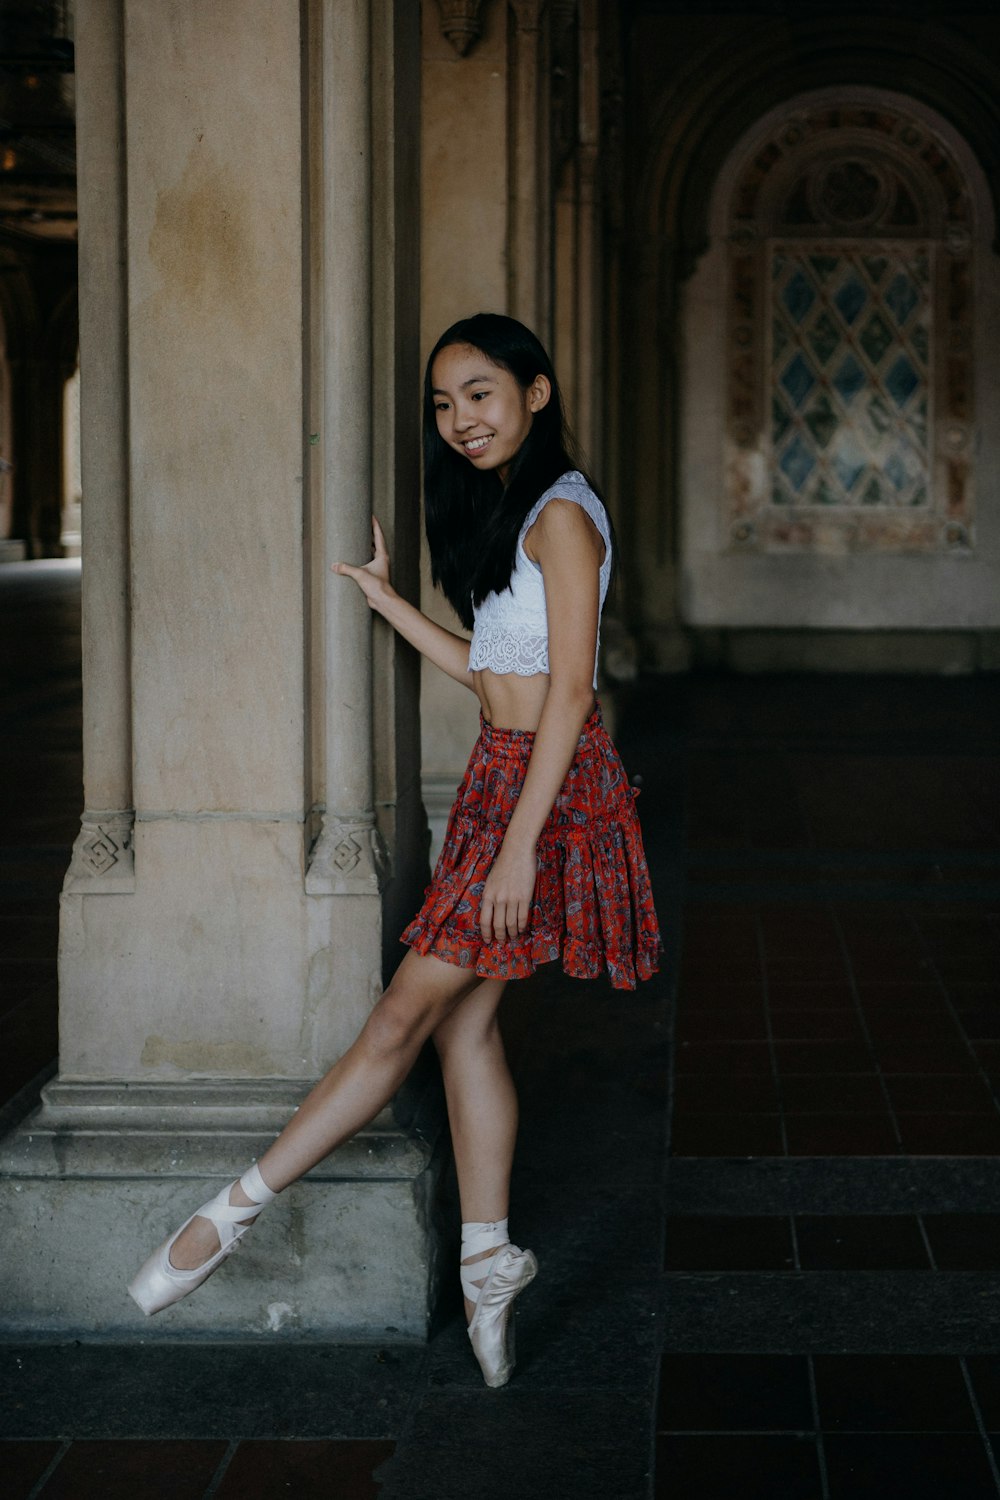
x=473, y=520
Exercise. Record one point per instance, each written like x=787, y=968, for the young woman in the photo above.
x=542, y=859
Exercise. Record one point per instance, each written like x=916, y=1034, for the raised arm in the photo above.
x=443, y=647
x=568, y=547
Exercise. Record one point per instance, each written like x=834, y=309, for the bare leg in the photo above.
x=482, y=1107
x=422, y=994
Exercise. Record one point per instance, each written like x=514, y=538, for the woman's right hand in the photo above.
x=373, y=578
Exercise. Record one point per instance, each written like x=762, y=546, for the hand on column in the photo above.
x=372, y=578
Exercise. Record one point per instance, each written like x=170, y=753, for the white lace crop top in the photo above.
x=511, y=629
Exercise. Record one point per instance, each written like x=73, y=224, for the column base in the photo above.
x=101, y=1173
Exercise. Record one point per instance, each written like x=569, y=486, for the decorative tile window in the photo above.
x=850, y=312
x=850, y=338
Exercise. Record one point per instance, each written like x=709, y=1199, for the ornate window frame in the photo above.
x=845, y=178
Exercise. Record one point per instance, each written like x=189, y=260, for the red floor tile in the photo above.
x=325, y=1470
x=942, y=1056
x=709, y=1242
x=727, y=1135
x=841, y=1135
x=811, y=1057
x=975, y=994
x=860, y=1242
x=721, y=996
x=730, y=1059
x=908, y=997
x=816, y=1025
x=126, y=1470
x=696, y=1093
x=805, y=969
x=912, y=1025
x=22, y=1465
x=980, y=1023
x=923, y=1094
x=963, y=968
x=988, y=1057
x=798, y=930
x=964, y=1242
x=833, y=1093
x=810, y=994
x=950, y=1135
x=984, y=1371
x=721, y=1026
x=914, y=1465
x=756, y=1467
x=734, y=1393
x=892, y=1393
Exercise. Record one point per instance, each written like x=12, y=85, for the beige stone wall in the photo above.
x=464, y=270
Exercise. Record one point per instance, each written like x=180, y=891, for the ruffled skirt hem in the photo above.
x=592, y=907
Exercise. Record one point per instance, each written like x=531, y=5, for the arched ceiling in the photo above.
x=752, y=64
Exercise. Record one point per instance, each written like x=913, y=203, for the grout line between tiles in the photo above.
x=44, y=1478
x=980, y=1423
x=863, y=1023
x=994, y=1091
x=927, y=1242
x=771, y=1049
x=824, y=1477
x=220, y=1473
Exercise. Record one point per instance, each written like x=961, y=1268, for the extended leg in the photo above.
x=422, y=994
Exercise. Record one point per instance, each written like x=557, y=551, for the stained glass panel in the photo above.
x=850, y=335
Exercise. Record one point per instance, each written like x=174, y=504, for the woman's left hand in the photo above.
x=510, y=885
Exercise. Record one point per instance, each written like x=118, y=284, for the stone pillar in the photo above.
x=214, y=957
x=464, y=270
x=347, y=857
x=530, y=167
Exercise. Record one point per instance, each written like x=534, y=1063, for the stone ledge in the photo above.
x=201, y=1129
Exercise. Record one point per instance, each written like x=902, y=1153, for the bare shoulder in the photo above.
x=562, y=524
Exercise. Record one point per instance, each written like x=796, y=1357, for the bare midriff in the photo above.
x=510, y=701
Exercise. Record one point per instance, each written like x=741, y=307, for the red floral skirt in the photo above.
x=592, y=907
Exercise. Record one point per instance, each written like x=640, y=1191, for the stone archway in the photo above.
x=829, y=439
x=703, y=109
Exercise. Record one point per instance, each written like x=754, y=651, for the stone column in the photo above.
x=214, y=959
x=530, y=195
x=347, y=858
x=464, y=270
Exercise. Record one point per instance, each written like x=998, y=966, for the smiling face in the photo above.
x=481, y=410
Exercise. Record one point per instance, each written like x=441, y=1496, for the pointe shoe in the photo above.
x=159, y=1283
x=492, y=1328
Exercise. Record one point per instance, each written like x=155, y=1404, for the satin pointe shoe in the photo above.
x=491, y=1331
x=159, y=1283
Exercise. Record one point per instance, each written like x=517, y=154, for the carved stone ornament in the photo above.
x=348, y=859
x=103, y=859
x=461, y=23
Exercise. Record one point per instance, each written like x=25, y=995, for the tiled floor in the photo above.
x=835, y=1031
x=838, y=1028
x=768, y=1214
x=128, y=1469
x=847, y=1426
